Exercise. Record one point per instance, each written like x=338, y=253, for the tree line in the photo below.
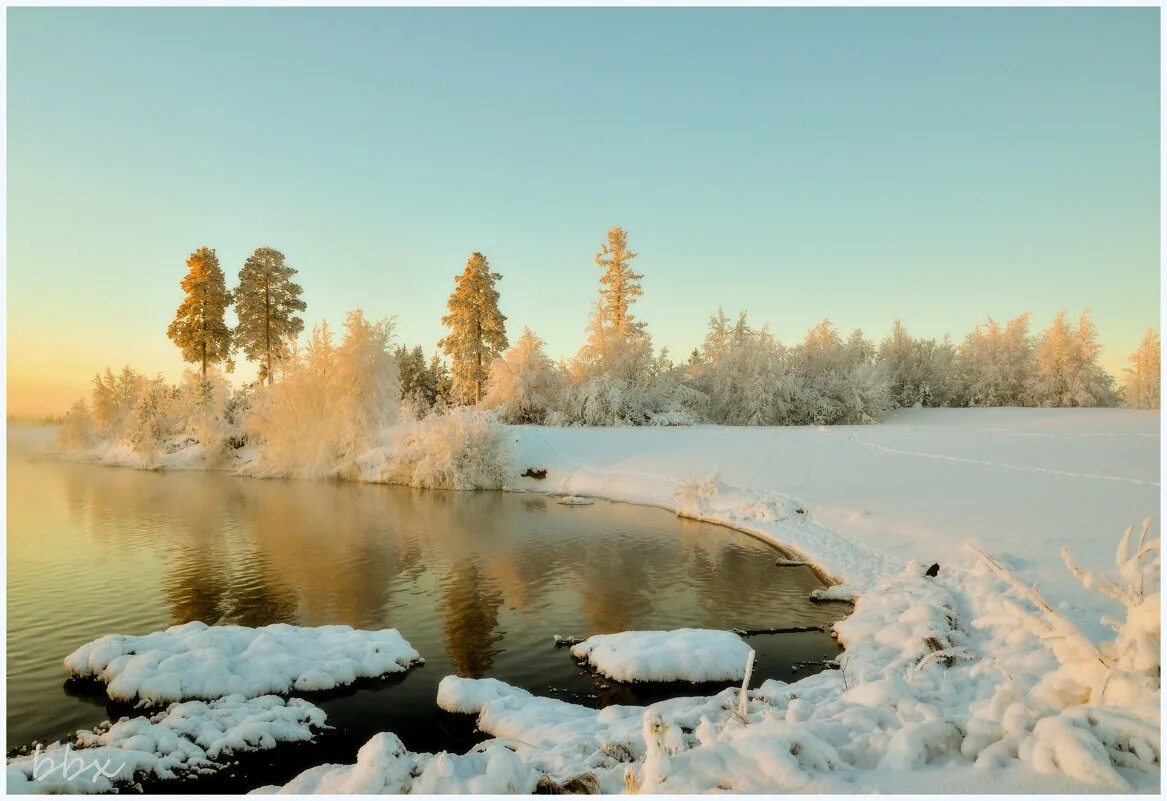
x=740, y=374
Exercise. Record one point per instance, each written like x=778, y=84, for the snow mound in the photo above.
x=682, y=655
x=575, y=500
x=189, y=736
x=197, y=661
x=468, y=696
x=385, y=766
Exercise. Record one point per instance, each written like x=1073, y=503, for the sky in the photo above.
x=861, y=165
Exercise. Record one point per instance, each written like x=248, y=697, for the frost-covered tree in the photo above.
x=113, y=399
x=919, y=370
x=1141, y=385
x=995, y=363
x=443, y=384
x=619, y=285
x=1066, y=370
x=266, y=302
x=524, y=383
x=200, y=327
x=77, y=431
x=477, y=328
x=740, y=371
x=331, y=403
x=616, y=379
x=836, y=381
x=419, y=391
x=367, y=383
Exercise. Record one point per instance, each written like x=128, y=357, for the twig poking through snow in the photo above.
x=743, y=699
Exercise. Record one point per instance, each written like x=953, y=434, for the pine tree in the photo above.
x=266, y=301
x=477, y=328
x=443, y=384
x=200, y=328
x=1141, y=387
x=619, y=286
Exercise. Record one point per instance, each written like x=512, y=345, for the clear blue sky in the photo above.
x=857, y=164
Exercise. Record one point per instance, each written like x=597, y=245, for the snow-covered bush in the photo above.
x=1134, y=654
x=612, y=400
x=1097, y=709
x=524, y=384
x=464, y=449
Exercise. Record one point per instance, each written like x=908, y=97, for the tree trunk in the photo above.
x=267, y=330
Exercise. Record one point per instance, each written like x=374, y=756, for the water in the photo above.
x=477, y=582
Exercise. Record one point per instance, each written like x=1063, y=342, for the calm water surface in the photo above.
x=477, y=582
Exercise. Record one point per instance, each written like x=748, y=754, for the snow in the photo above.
x=194, y=660
x=693, y=655
x=575, y=500
x=384, y=766
x=190, y=736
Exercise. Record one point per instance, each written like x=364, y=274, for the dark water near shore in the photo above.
x=477, y=582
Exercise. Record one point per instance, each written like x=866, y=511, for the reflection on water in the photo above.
x=478, y=582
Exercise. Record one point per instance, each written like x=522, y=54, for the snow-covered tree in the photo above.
x=1066, y=370
x=331, y=403
x=418, y=383
x=524, y=383
x=289, y=418
x=477, y=328
x=740, y=370
x=836, y=381
x=995, y=363
x=616, y=379
x=153, y=419
x=266, y=302
x=77, y=431
x=201, y=409
x=619, y=285
x=113, y=399
x=1141, y=385
x=443, y=384
x=200, y=327
x=919, y=370
x=366, y=383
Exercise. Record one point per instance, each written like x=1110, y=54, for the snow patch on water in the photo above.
x=198, y=661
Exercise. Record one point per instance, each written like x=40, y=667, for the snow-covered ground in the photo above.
x=194, y=660
x=998, y=674
x=191, y=736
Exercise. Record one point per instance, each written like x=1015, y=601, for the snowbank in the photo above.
x=185, y=737
x=384, y=766
x=693, y=655
x=194, y=660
